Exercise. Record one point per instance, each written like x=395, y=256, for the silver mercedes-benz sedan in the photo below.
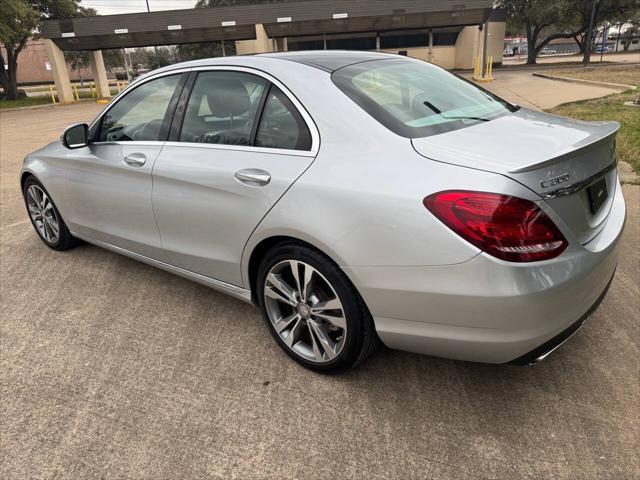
x=354, y=197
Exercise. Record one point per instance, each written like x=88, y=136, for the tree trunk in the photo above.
x=532, y=37
x=9, y=77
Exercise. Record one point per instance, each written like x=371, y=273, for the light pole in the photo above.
x=587, y=45
x=154, y=47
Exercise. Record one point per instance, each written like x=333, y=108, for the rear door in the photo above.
x=109, y=182
x=238, y=142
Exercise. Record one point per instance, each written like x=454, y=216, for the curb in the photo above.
x=615, y=86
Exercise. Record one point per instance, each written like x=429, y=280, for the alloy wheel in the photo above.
x=305, y=311
x=43, y=214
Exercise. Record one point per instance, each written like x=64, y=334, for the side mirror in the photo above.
x=76, y=136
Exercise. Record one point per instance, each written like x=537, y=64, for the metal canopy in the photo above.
x=280, y=20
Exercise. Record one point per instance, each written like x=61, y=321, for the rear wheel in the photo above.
x=313, y=311
x=45, y=217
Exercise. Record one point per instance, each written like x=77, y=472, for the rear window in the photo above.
x=417, y=99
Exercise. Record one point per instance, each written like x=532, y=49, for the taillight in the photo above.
x=506, y=227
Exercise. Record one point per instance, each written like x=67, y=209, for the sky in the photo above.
x=110, y=7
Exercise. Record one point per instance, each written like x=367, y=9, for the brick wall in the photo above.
x=31, y=65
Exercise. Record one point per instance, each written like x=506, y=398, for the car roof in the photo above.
x=329, y=60
x=325, y=60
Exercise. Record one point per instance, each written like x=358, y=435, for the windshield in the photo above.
x=417, y=99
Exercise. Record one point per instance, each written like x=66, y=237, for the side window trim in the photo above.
x=296, y=106
x=171, y=108
x=96, y=125
x=259, y=113
x=181, y=108
x=294, y=111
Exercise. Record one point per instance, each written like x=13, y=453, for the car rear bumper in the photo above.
x=547, y=348
x=487, y=310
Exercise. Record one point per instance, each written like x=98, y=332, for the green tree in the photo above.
x=546, y=20
x=19, y=19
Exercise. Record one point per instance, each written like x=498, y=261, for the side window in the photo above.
x=281, y=125
x=139, y=115
x=222, y=108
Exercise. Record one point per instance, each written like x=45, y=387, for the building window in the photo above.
x=361, y=43
x=294, y=46
x=417, y=40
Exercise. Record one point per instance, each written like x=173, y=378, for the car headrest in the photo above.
x=227, y=97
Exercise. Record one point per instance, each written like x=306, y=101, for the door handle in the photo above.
x=253, y=177
x=135, y=159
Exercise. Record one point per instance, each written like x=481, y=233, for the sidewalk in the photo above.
x=522, y=88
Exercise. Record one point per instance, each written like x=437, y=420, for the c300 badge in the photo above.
x=552, y=182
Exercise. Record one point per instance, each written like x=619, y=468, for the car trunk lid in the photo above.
x=571, y=164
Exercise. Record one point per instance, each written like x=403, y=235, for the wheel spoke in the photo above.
x=34, y=194
x=328, y=311
x=294, y=334
x=45, y=204
x=306, y=285
x=285, y=292
x=317, y=352
x=326, y=344
x=283, y=323
x=54, y=226
x=333, y=304
x=336, y=320
x=295, y=270
x=275, y=294
x=47, y=231
x=40, y=226
x=33, y=209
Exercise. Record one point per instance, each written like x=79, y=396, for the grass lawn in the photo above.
x=25, y=102
x=612, y=108
x=41, y=100
x=627, y=75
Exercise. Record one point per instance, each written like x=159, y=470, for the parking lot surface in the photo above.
x=113, y=369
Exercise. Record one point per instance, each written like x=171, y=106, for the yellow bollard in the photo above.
x=118, y=85
x=75, y=91
x=53, y=97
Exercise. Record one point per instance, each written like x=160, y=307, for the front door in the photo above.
x=109, y=182
x=241, y=146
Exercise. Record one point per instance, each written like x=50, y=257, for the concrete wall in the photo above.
x=31, y=65
x=444, y=56
x=497, y=31
x=262, y=43
x=470, y=44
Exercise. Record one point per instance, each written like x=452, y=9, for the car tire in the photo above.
x=323, y=345
x=45, y=217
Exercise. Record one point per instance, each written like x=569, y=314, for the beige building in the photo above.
x=450, y=33
x=34, y=65
x=452, y=47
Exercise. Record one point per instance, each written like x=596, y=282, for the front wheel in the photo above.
x=313, y=311
x=45, y=217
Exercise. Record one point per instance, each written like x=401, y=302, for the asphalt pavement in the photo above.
x=113, y=369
